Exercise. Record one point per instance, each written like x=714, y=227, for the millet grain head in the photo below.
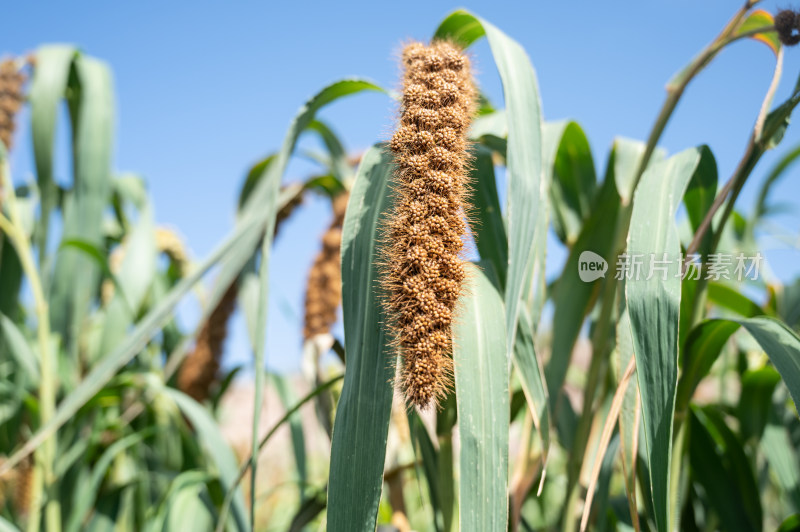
x=11, y=98
x=199, y=371
x=421, y=260
x=324, y=287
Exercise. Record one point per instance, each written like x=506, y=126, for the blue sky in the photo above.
x=205, y=89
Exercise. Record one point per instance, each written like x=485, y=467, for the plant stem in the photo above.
x=46, y=455
x=756, y=146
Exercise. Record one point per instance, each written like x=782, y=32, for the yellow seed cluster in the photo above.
x=423, y=271
x=171, y=245
x=324, y=288
x=11, y=98
x=167, y=242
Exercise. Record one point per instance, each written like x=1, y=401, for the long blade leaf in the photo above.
x=481, y=370
x=653, y=301
x=362, y=418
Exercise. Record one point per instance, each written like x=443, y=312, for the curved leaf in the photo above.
x=654, y=309
x=524, y=152
x=47, y=90
x=490, y=230
x=573, y=184
x=702, y=348
x=15, y=342
x=721, y=467
x=481, y=371
x=362, y=417
x=75, y=274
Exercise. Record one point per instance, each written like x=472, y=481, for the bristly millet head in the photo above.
x=423, y=268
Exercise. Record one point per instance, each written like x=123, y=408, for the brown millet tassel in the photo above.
x=423, y=270
x=11, y=81
x=324, y=287
x=199, y=371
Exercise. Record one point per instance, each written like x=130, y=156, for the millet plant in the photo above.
x=452, y=404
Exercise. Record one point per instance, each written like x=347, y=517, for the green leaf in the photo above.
x=188, y=510
x=532, y=380
x=490, y=230
x=326, y=184
x=76, y=275
x=782, y=457
x=19, y=347
x=86, y=496
x=604, y=483
x=130, y=188
x=481, y=371
x=133, y=282
x=702, y=348
x=309, y=510
x=761, y=19
x=719, y=464
x=10, y=277
x=574, y=181
x=704, y=343
x=654, y=309
x=738, y=465
x=755, y=401
x=573, y=297
x=362, y=417
x=629, y=416
x=787, y=304
x=623, y=165
x=778, y=171
x=446, y=475
x=106, y=368
x=461, y=27
x=524, y=155
x=729, y=297
x=700, y=194
x=48, y=86
x=252, y=178
x=426, y=453
x=338, y=164
x=5, y=526
x=216, y=448
x=782, y=346
x=288, y=400
x=259, y=203
x=790, y=524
